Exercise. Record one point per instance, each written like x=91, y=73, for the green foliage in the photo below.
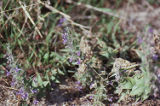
x=138, y=86
x=46, y=59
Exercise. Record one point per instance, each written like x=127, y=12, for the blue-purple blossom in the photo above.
x=70, y=59
x=110, y=99
x=110, y=82
x=64, y=37
x=12, y=83
x=17, y=69
x=8, y=73
x=35, y=102
x=92, y=85
x=150, y=30
x=78, y=82
x=90, y=97
x=24, y=95
x=61, y=21
x=20, y=92
x=78, y=53
x=78, y=86
x=78, y=61
x=34, y=91
x=140, y=40
x=155, y=57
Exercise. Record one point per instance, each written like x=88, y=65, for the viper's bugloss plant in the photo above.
x=69, y=43
x=18, y=78
x=15, y=72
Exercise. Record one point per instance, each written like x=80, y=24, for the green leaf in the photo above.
x=105, y=10
x=53, y=78
x=144, y=97
x=105, y=54
x=137, y=91
x=34, y=84
x=45, y=83
x=147, y=90
x=60, y=72
x=46, y=56
x=39, y=79
x=122, y=97
x=54, y=72
x=127, y=85
x=57, y=81
x=131, y=80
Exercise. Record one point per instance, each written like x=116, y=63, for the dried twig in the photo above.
x=18, y=8
x=28, y=15
x=8, y=87
x=14, y=24
x=64, y=15
x=95, y=9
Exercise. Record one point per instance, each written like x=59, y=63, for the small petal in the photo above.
x=90, y=97
x=34, y=91
x=8, y=73
x=155, y=57
x=17, y=69
x=140, y=40
x=79, y=61
x=12, y=83
x=78, y=53
x=70, y=59
x=78, y=82
x=150, y=30
x=35, y=102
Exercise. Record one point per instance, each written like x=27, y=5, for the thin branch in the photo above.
x=8, y=87
x=18, y=8
x=14, y=24
x=95, y=9
x=64, y=15
x=28, y=15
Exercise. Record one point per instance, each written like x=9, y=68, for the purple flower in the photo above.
x=64, y=37
x=17, y=69
x=78, y=82
x=20, y=92
x=8, y=73
x=70, y=59
x=24, y=95
x=110, y=99
x=78, y=61
x=79, y=88
x=78, y=85
x=35, y=102
x=12, y=83
x=110, y=82
x=92, y=85
x=34, y=91
x=78, y=53
x=61, y=21
x=150, y=30
x=90, y=97
x=64, y=41
x=155, y=57
x=140, y=40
